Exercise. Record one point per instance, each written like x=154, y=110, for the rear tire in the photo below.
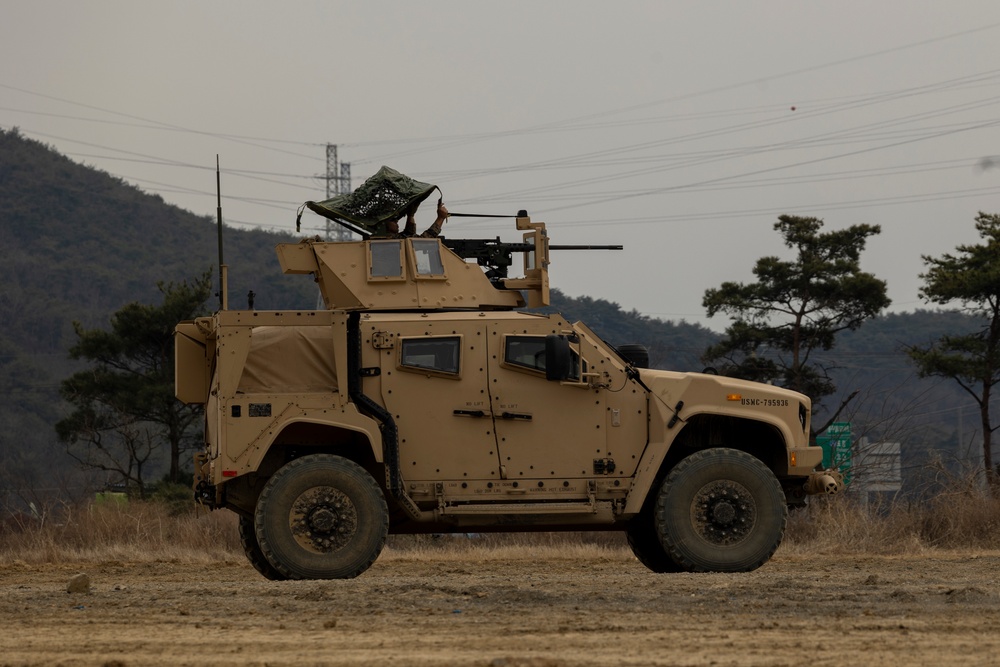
x=720, y=510
x=248, y=538
x=321, y=517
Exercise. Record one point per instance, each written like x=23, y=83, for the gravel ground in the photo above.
x=495, y=611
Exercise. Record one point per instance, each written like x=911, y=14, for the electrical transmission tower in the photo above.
x=338, y=182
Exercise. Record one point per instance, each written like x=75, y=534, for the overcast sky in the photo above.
x=681, y=129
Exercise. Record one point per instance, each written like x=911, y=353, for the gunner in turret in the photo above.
x=392, y=226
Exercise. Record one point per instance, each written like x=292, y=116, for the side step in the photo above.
x=581, y=507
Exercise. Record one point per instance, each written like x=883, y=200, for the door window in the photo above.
x=438, y=354
x=529, y=352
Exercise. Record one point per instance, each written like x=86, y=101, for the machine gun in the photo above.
x=497, y=256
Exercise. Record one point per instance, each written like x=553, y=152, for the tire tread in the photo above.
x=292, y=468
x=675, y=548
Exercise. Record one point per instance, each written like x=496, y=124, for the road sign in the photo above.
x=837, y=448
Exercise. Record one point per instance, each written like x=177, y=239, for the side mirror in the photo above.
x=558, y=358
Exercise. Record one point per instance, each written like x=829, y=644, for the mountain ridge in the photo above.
x=77, y=244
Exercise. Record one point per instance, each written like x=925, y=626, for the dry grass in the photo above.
x=962, y=517
x=499, y=547
x=133, y=532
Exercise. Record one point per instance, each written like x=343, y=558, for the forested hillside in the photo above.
x=935, y=421
x=76, y=244
x=673, y=345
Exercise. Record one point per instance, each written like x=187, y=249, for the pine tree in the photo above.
x=972, y=278
x=125, y=413
x=797, y=307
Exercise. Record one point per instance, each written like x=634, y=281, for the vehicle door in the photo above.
x=545, y=429
x=433, y=381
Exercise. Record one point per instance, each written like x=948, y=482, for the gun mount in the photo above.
x=413, y=273
x=497, y=257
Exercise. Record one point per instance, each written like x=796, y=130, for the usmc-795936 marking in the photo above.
x=765, y=402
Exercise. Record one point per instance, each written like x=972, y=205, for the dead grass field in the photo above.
x=845, y=589
x=543, y=607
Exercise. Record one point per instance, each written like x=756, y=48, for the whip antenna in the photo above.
x=218, y=213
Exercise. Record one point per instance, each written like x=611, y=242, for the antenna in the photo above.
x=218, y=211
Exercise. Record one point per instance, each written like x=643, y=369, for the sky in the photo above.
x=680, y=129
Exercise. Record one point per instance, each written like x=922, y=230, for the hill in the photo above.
x=935, y=421
x=671, y=345
x=76, y=244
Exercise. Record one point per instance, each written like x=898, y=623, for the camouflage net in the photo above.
x=387, y=195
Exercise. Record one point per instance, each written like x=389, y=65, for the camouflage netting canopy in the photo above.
x=386, y=196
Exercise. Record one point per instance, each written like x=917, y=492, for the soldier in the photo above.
x=392, y=227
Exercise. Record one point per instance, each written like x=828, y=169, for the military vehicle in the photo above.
x=425, y=399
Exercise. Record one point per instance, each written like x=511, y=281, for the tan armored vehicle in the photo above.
x=422, y=400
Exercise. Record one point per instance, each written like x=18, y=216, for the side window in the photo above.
x=427, y=258
x=386, y=260
x=529, y=352
x=439, y=355
x=525, y=351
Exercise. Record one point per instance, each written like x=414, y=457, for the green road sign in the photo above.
x=837, y=447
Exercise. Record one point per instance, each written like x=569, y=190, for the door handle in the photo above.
x=469, y=413
x=516, y=415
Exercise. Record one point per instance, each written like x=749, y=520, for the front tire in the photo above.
x=646, y=545
x=321, y=517
x=720, y=510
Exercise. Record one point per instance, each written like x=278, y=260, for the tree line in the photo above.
x=795, y=309
x=781, y=323
x=77, y=245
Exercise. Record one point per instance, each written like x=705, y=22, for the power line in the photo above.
x=552, y=126
x=709, y=157
x=802, y=163
x=166, y=163
x=725, y=88
x=604, y=158
x=157, y=123
x=713, y=185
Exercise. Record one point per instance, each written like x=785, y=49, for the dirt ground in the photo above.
x=510, y=612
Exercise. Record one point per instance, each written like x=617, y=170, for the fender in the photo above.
x=716, y=396
x=249, y=458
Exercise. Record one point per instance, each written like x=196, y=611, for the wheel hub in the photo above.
x=323, y=519
x=724, y=512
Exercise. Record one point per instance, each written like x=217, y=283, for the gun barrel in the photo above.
x=585, y=247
